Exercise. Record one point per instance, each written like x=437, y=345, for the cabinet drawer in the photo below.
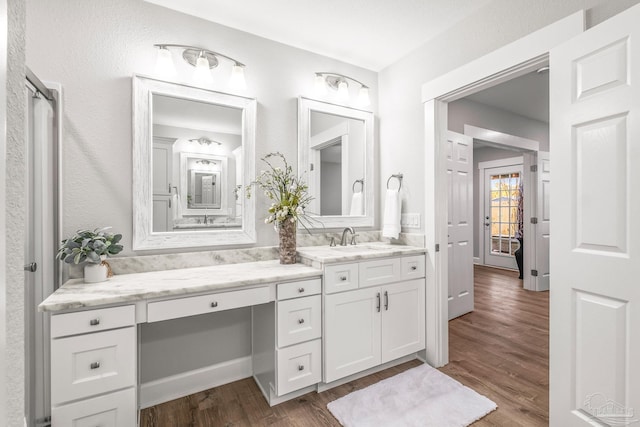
x=299, y=320
x=339, y=278
x=183, y=307
x=299, y=366
x=413, y=267
x=299, y=289
x=379, y=272
x=92, y=321
x=86, y=365
x=112, y=410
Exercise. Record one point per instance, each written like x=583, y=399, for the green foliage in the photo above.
x=88, y=245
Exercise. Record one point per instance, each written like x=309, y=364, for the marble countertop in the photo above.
x=327, y=254
x=180, y=282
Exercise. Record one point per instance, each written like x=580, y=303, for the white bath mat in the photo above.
x=420, y=397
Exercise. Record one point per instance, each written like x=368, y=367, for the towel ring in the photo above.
x=399, y=177
x=353, y=187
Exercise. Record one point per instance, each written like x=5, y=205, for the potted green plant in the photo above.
x=91, y=247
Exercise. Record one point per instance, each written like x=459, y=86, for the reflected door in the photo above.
x=502, y=192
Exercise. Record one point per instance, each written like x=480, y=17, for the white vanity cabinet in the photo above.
x=379, y=320
x=93, y=367
x=287, y=341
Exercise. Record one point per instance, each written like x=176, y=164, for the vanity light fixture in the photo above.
x=206, y=162
x=202, y=59
x=340, y=84
x=205, y=141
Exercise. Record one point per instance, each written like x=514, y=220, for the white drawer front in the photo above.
x=112, y=410
x=413, y=267
x=299, y=320
x=183, y=307
x=338, y=278
x=302, y=288
x=299, y=366
x=85, y=365
x=379, y=272
x=92, y=321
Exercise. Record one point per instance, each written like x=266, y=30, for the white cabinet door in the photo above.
x=403, y=311
x=352, y=332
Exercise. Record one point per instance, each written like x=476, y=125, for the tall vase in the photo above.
x=287, y=234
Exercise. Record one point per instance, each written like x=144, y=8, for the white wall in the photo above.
x=93, y=47
x=12, y=167
x=401, y=112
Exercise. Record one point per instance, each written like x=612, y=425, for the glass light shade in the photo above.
x=320, y=86
x=202, y=74
x=343, y=91
x=237, y=80
x=363, y=97
x=164, y=63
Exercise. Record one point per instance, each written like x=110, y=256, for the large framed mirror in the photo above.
x=335, y=154
x=193, y=153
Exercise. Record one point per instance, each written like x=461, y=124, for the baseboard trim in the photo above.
x=184, y=384
x=476, y=260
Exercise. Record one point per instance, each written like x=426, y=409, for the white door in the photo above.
x=351, y=332
x=543, y=175
x=402, y=319
x=501, y=193
x=460, y=223
x=595, y=205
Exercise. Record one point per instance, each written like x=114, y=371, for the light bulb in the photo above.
x=237, y=80
x=164, y=63
x=343, y=91
x=202, y=74
x=320, y=85
x=363, y=97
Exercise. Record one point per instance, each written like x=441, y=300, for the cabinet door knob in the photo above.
x=300, y=367
x=301, y=290
x=214, y=304
x=301, y=321
x=414, y=268
x=343, y=278
x=95, y=365
x=94, y=322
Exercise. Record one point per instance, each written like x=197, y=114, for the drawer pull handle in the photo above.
x=301, y=290
x=386, y=300
x=301, y=321
x=94, y=322
x=300, y=367
x=95, y=365
x=343, y=278
x=378, y=304
x=214, y=304
x=414, y=268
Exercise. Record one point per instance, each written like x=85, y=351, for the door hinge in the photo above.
x=534, y=220
x=534, y=168
x=534, y=273
x=437, y=247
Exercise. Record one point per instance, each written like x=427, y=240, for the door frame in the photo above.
x=513, y=60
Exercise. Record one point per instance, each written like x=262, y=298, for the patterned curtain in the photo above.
x=520, y=217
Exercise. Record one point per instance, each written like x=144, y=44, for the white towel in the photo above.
x=391, y=221
x=357, y=207
x=176, y=208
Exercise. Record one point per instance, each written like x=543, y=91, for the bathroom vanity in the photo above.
x=341, y=313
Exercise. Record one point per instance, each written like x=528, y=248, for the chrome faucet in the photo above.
x=343, y=240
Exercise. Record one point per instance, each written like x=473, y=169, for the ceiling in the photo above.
x=369, y=33
x=527, y=96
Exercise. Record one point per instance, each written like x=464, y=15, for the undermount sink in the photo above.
x=360, y=248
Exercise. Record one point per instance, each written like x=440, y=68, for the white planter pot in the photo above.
x=94, y=273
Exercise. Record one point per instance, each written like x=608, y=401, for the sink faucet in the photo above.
x=343, y=240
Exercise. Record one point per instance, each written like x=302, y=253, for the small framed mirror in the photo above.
x=335, y=154
x=190, y=166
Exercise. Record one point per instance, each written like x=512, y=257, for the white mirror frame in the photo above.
x=305, y=107
x=143, y=236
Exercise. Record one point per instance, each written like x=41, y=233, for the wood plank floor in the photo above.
x=500, y=350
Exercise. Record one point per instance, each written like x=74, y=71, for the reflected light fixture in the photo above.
x=203, y=60
x=205, y=141
x=340, y=84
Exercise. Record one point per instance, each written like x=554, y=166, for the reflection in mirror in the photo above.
x=196, y=165
x=335, y=150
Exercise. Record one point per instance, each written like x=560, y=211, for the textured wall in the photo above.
x=497, y=24
x=97, y=47
x=15, y=215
